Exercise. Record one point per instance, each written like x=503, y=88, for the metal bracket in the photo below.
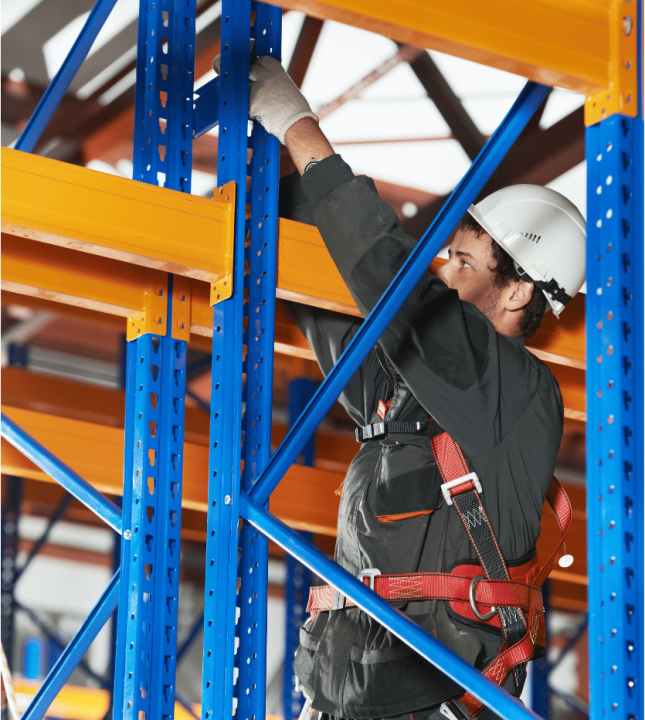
x=181, y=307
x=154, y=318
x=222, y=289
x=621, y=95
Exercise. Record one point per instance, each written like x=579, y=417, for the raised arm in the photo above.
x=447, y=352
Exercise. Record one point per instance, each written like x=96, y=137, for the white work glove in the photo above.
x=274, y=100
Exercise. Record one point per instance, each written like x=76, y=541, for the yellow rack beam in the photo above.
x=563, y=43
x=75, y=702
x=95, y=452
x=79, y=209
x=306, y=273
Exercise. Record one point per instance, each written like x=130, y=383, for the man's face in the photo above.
x=468, y=271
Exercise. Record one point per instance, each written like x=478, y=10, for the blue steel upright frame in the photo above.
x=155, y=387
x=298, y=577
x=234, y=671
x=146, y=656
x=9, y=523
x=615, y=444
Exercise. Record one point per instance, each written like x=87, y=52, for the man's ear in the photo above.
x=517, y=295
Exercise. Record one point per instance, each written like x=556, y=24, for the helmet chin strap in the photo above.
x=550, y=287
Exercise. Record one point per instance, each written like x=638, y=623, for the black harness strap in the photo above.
x=465, y=497
x=477, y=526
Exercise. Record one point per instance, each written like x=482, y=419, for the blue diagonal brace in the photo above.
x=55, y=517
x=408, y=276
x=206, y=112
x=73, y=653
x=63, y=474
x=506, y=706
x=194, y=632
x=61, y=81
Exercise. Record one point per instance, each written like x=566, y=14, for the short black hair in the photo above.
x=506, y=273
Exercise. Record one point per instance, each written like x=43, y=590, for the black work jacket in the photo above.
x=442, y=358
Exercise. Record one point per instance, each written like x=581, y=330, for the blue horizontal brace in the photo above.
x=204, y=363
x=53, y=635
x=506, y=706
x=186, y=705
x=202, y=404
x=61, y=81
x=571, y=700
x=408, y=276
x=570, y=644
x=55, y=517
x=194, y=632
x=206, y=108
x=64, y=475
x=77, y=647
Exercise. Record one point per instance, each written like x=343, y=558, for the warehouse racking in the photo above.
x=133, y=236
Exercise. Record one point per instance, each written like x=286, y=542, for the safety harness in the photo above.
x=492, y=593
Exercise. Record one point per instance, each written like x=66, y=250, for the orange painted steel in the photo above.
x=75, y=702
x=561, y=43
x=620, y=93
x=93, y=212
x=306, y=273
x=96, y=453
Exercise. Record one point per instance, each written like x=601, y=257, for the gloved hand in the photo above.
x=274, y=100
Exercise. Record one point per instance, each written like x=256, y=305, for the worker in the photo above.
x=451, y=365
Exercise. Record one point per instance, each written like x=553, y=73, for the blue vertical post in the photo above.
x=301, y=390
x=539, y=669
x=10, y=517
x=615, y=415
x=259, y=311
x=155, y=386
x=220, y=608
x=298, y=577
x=236, y=577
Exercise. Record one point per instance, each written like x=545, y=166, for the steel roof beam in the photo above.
x=448, y=104
x=538, y=157
x=304, y=50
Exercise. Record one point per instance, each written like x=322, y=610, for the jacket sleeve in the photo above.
x=328, y=333
x=446, y=351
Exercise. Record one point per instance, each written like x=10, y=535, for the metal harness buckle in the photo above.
x=447, y=711
x=371, y=573
x=446, y=487
x=471, y=597
x=371, y=431
x=339, y=598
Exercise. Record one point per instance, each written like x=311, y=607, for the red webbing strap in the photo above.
x=437, y=586
x=450, y=459
x=508, y=659
x=452, y=465
x=561, y=505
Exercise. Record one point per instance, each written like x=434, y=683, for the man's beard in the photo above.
x=490, y=303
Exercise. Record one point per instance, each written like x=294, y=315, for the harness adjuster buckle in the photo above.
x=447, y=487
x=339, y=598
x=473, y=604
x=447, y=710
x=371, y=431
x=371, y=573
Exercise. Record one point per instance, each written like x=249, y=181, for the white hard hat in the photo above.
x=543, y=232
